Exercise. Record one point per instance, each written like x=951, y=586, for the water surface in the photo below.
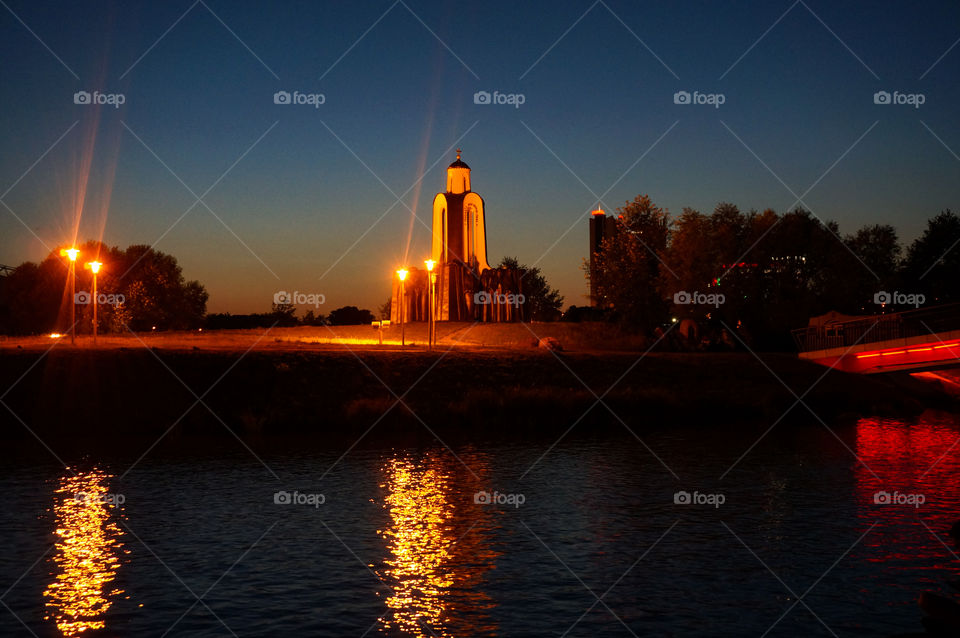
x=580, y=539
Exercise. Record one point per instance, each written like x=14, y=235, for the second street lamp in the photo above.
x=431, y=319
x=402, y=274
x=71, y=254
x=95, y=267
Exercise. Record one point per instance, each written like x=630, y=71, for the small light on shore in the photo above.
x=674, y=320
x=55, y=335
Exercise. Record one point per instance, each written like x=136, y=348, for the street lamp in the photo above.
x=402, y=274
x=71, y=254
x=95, y=267
x=431, y=319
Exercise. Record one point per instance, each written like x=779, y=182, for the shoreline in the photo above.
x=342, y=391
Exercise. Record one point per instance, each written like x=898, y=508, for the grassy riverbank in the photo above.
x=291, y=381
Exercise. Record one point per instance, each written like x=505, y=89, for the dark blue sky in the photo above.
x=598, y=91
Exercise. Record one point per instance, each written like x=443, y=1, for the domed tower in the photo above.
x=459, y=224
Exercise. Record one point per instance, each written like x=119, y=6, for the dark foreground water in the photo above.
x=586, y=539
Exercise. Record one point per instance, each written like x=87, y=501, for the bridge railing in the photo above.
x=896, y=325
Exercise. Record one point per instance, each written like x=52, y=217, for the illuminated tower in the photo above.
x=601, y=227
x=459, y=226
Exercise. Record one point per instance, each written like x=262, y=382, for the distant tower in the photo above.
x=459, y=225
x=601, y=227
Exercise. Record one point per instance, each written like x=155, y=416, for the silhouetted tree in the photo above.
x=933, y=261
x=349, y=316
x=149, y=283
x=543, y=302
x=628, y=265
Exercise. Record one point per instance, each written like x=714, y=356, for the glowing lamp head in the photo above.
x=70, y=253
x=430, y=264
x=402, y=274
x=94, y=266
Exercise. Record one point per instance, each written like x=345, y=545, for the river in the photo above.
x=693, y=530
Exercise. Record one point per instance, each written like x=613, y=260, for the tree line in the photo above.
x=139, y=288
x=763, y=273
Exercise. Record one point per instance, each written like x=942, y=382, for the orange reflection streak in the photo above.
x=88, y=544
x=437, y=558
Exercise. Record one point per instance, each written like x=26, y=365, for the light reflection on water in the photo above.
x=88, y=546
x=454, y=568
x=435, y=566
x=909, y=461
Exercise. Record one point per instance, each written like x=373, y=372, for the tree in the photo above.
x=313, y=319
x=875, y=264
x=385, y=307
x=349, y=316
x=145, y=288
x=932, y=266
x=628, y=265
x=283, y=315
x=543, y=302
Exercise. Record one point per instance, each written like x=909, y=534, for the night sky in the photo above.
x=298, y=197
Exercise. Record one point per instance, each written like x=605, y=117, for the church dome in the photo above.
x=458, y=176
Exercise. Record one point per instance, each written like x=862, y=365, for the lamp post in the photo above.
x=71, y=254
x=95, y=267
x=431, y=319
x=402, y=274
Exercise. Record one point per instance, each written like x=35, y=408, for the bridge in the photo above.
x=911, y=341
